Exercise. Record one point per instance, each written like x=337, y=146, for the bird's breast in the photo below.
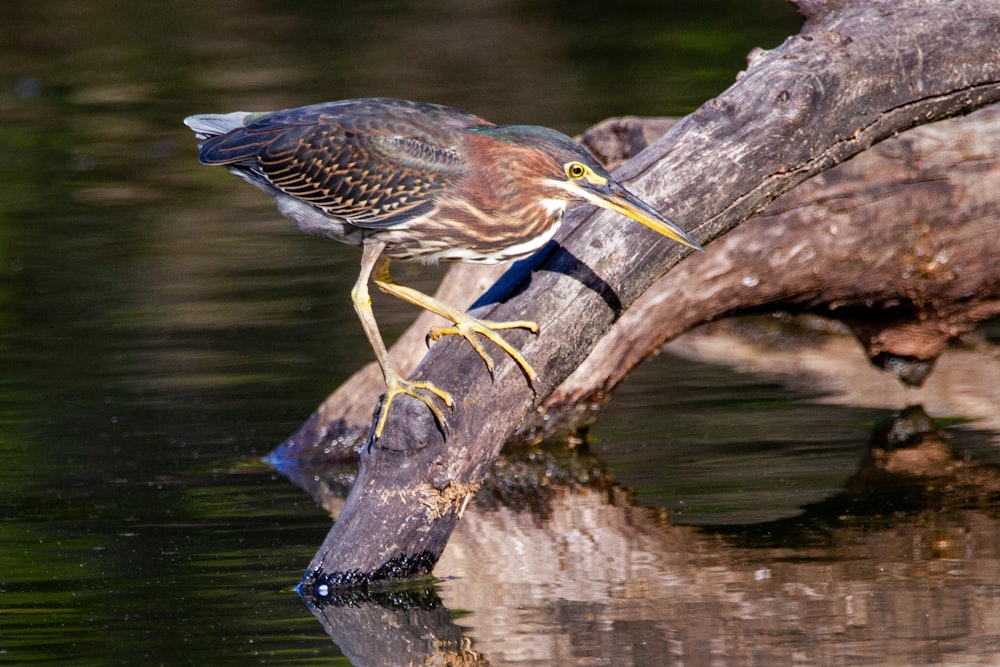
x=464, y=233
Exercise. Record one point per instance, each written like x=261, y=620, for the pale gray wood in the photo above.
x=858, y=73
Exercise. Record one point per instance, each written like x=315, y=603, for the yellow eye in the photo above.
x=575, y=170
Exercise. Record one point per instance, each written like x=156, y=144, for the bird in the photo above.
x=415, y=181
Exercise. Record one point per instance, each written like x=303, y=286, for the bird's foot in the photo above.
x=396, y=385
x=468, y=327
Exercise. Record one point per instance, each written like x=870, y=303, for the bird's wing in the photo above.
x=371, y=166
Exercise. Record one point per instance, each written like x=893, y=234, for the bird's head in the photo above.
x=561, y=169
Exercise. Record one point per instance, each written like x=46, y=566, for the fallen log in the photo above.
x=900, y=243
x=827, y=94
x=927, y=199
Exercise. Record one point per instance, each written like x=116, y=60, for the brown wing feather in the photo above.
x=375, y=163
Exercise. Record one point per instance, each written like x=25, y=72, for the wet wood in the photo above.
x=827, y=94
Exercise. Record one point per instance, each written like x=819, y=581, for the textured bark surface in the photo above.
x=900, y=243
x=904, y=237
x=856, y=74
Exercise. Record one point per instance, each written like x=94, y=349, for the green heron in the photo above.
x=414, y=181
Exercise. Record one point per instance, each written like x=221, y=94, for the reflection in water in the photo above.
x=159, y=326
x=900, y=567
x=403, y=625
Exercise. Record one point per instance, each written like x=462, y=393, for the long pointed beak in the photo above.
x=612, y=196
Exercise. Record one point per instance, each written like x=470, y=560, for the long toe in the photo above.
x=425, y=392
x=512, y=324
x=469, y=327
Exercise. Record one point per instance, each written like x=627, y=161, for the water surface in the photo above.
x=161, y=329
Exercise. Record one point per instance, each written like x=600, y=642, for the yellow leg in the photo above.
x=465, y=325
x=395, y=384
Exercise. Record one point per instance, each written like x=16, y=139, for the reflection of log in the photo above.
x=396, y=627
x=897, y=569
x=817, y=100
x=903, y=561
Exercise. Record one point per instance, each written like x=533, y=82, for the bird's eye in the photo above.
x=575, y=170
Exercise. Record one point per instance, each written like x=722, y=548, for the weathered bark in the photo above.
x=857, y=74
x=900, y=243
x=926, y=200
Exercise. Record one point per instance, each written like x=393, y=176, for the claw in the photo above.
x=395, y=385
x=374, y=264
x=467, y=327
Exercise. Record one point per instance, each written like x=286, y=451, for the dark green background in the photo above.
x=161, y=327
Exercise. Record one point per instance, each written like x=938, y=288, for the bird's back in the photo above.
x=373, y=163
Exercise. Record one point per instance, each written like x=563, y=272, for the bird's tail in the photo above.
x=215, y=124
x=225, y=139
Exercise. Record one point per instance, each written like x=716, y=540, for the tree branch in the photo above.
x=855, y=75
